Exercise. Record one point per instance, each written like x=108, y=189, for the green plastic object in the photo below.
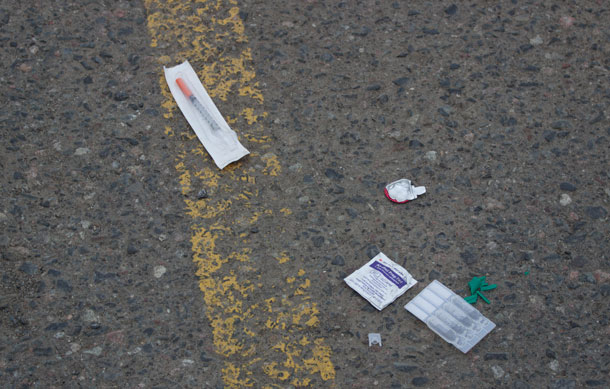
x=483, y=297
x=476, y=285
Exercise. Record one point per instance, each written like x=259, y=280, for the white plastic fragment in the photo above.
x=374, y=339
x=200, y=111
x=403, y=190
x=380, y=281
x=449, y=316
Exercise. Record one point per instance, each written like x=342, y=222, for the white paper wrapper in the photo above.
x=380, y=281
x=219, y=139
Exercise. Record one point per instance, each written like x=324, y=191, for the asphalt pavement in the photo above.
x=128, y=259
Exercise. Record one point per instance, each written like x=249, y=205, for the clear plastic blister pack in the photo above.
x=449, y=316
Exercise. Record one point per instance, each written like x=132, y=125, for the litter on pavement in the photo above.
x=374, y=339
x=380, y=281
x=449, y=316
x=200, y=111
x=477, y=285
x=402, y=191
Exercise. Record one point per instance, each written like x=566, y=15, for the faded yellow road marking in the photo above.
x=264, y=329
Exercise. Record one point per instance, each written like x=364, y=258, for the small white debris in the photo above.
x=187, y=362
x=97, y=351
x=554, y=365
x=565, y=199
x=374, y=339
x=134, y=351
x=159, y=271
x=498, y=371
x=59, y=335
x=537, y=40
x=85, y=224
x=82, y=151
x=74, y=347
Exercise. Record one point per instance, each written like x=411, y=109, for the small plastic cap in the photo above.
x=183, y=87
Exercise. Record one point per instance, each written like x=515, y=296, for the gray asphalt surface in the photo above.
x=500, y=109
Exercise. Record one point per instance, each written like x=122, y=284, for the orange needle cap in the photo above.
x=183, y=87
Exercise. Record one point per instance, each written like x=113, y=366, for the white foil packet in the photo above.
x=380, y=281
x=402, y=191
x=217, y=137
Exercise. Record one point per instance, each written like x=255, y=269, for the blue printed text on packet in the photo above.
x=389, y=274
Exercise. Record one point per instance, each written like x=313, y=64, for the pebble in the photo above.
x=561, y=125
x=82, y=151
x=338, y=261
x=121, y=96
x=537, y=40
x=159, y=271
x=497, y=371
x=131, y=249
x=468, y=257
x=404, y=367
x=29, y=268
x=492, y=204
x=430, y=156
x=333, y=174
x=296, y=167
x=451, y=10
x=97, y=351
x=203, y=194
x=596, y=212
x=402, y=81
x=496, y=356
x=565, y=199
x=90, y=317
x=567, y=21
x=419, y=381
x=412, y=121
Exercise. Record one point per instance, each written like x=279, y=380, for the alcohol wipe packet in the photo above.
x=380, y=281
x=217, y=137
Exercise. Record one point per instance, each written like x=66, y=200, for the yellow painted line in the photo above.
x=264, y=330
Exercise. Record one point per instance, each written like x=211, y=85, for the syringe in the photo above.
x=200, y=108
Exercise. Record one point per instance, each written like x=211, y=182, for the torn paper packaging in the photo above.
x=449, y=316
x=200, y=111
x=380, y=281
